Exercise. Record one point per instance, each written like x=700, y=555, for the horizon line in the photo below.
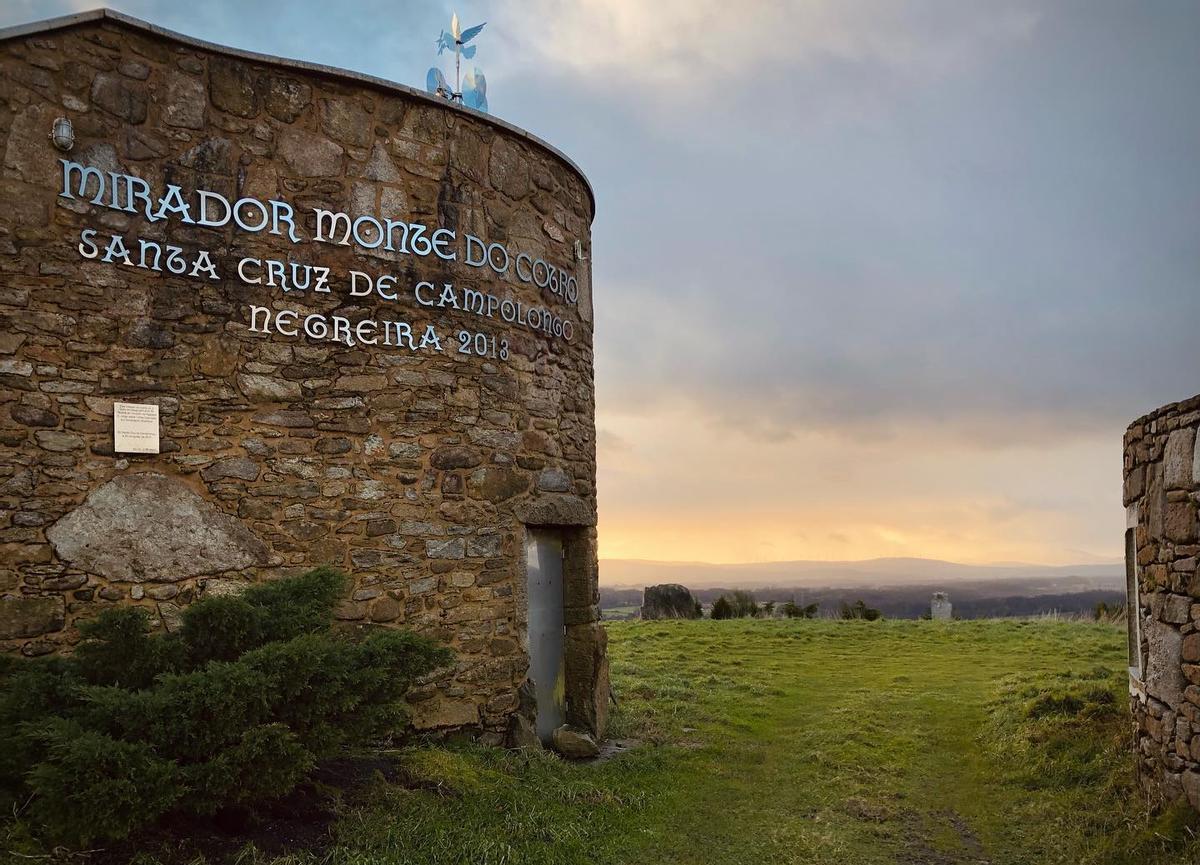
x=743, y=564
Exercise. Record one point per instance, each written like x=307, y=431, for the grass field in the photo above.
x=802, y=742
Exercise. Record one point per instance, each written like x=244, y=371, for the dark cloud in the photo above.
x=975, y=219
x=1004, y=252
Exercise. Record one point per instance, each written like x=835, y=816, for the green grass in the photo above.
x=618, y=614
x=804, y=742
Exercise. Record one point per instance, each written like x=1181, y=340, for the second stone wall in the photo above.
x=1162, y=492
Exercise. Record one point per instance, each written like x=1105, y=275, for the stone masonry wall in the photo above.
x=414, y=472
x=1162, y=491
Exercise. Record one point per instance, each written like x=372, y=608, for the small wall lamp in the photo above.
x=63, y=134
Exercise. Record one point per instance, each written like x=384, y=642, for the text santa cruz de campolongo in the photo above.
x=208, y=209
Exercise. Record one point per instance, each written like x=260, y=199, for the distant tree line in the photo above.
x=742, y=605
x=907, y=602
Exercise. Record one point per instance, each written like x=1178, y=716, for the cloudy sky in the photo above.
x=872, y=278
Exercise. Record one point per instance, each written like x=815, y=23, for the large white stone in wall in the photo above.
x=149, y=527
x=1178, y=458
x=1164, y=673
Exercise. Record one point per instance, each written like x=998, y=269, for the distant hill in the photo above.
x=898, y=587
x=636, y=573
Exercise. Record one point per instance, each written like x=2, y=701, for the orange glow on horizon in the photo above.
x=717, y=496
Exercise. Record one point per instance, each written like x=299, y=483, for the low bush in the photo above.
x=739, y=605
x=860, y=610
x=744, y=605
x=793, y=611
x=237, y=706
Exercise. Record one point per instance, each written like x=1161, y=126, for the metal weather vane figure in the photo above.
x=469, y=90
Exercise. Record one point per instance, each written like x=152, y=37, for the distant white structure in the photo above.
x=940, y=608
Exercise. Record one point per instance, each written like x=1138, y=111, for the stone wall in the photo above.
x=1162, y=491
x=416, y=472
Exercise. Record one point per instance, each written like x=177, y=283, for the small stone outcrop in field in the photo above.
x=669, y=601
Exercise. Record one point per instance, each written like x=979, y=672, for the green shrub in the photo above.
x=722, y=609
x=744, y=605
x=237, y=706
x=88, y=782
x=117, y=650
x=860, y=610
x=792, y=611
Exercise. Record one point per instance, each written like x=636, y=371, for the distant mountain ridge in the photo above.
x=883, y=572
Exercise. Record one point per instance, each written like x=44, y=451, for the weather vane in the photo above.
x=470, y=90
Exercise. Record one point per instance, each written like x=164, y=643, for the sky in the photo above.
x=871, y=278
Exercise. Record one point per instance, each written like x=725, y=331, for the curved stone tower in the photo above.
x=1162, y=547
x=365, y=318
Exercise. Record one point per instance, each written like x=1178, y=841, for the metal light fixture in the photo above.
x=63, y=134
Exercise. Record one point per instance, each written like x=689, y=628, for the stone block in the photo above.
x=1135, y=485
x=554, y=480
x=1163, y=676
x=239, y=468
x=1190, y=782
x=586, y=661
x=310, y=155
x=423, y=586
x=497, y=483
x=573, y=743
x=28, y=148
x=146, y=333
x=285, y=418
x=64, y=583
x=386, y=609
x=333, y=446
x=556, y=510
x=268, y=388
x=443, y=712
x=454, y=548
x=232, y=88
x=1175, y=609
x=184, y=101
x=345, y=120
x=30, y=617
x=508, y=168
x=486, y=546
x=119, y=97
x=522, y=734
x=224, y=588
x=375, y=528
x=148, y=527
x=1190, y=649
x=1178, y=456
x=28, y=415
x=287, y=98
x=455, y=457
x=360, y=383
x=58, y=442
x=1180, y=522
x=380, y=167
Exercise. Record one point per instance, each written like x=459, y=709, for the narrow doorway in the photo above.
x=547, y=628
x=1133, y=601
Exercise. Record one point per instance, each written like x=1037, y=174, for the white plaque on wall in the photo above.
x=135, y=428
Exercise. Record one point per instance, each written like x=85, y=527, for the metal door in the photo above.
x=547, y=631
